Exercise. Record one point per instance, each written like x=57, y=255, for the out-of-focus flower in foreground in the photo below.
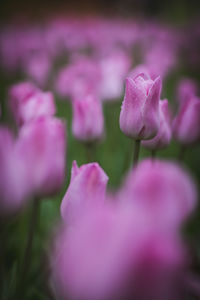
x=139, y=117
x=163, y=137
x=186, y=125
x=87, y=188
x=42, y=143
x=115, y=252
x=163, y=189
x=88, y=121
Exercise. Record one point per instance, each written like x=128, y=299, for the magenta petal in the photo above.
x=151, y=110
x=131, y=122
x=87, y=187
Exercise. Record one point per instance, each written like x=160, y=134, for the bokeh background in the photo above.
x=115, y=152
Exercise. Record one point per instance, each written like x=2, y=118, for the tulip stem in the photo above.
x=90, y=148
x=136, y=152
x=182, y=153
x=153, y=154
x=29, y=243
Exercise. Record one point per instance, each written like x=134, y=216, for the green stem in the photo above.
x=90, y=152
x=136, y=152
x=29, y=244
x=182, y=153
x=153, y=154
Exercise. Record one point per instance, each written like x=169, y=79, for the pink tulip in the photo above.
x=87, y=188
x=163, y=137
x=38, y=67
x=186, y=125
x=14, y=180
x=162, y=189
x=186, y=89
x=18, y=95
x=31, y=105
x=113, y=75
x=139, y=117
x=42, y=143
x=88, y=122
x=114, y=252
x=79, y=78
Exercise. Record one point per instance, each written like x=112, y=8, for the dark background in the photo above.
x=177, y=11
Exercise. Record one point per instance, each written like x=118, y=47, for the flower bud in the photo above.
x=87, y=188
x=163, y=137
x=28, y=104
x=139, y=117
x=42, y=142
x=18, y=94
x=186, y=125
x=88, y=122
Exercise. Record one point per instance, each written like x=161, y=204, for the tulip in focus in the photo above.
x=163, y=137
x=42, y=143
x=139, y=117
x=87, y=188
x=88, y=121
x=163, y=189
x=186, y=125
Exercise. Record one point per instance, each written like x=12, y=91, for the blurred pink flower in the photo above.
x=163, y=189
x=38, y=105
x=42, y=143
x=163, y=137
x=38, y=68
x=87, y=189
x=78, y=78
x=186, y=125
x=88, y=120
x=115, y=252
x=186, y=89
x=139, y=117
x=14, y=176
x=28, y=103
x=113, y=75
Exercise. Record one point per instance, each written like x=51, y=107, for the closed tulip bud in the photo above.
x=43, y=145
x=87, y=188
x=88, y=121
x=163, y=189
x=139, y=117
x=32, y=105
x=14, y=181
x=18, y=95
x=186, y=125
x=163, y=137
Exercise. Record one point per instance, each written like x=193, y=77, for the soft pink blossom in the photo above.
x=87, y=188
x=139, y=117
